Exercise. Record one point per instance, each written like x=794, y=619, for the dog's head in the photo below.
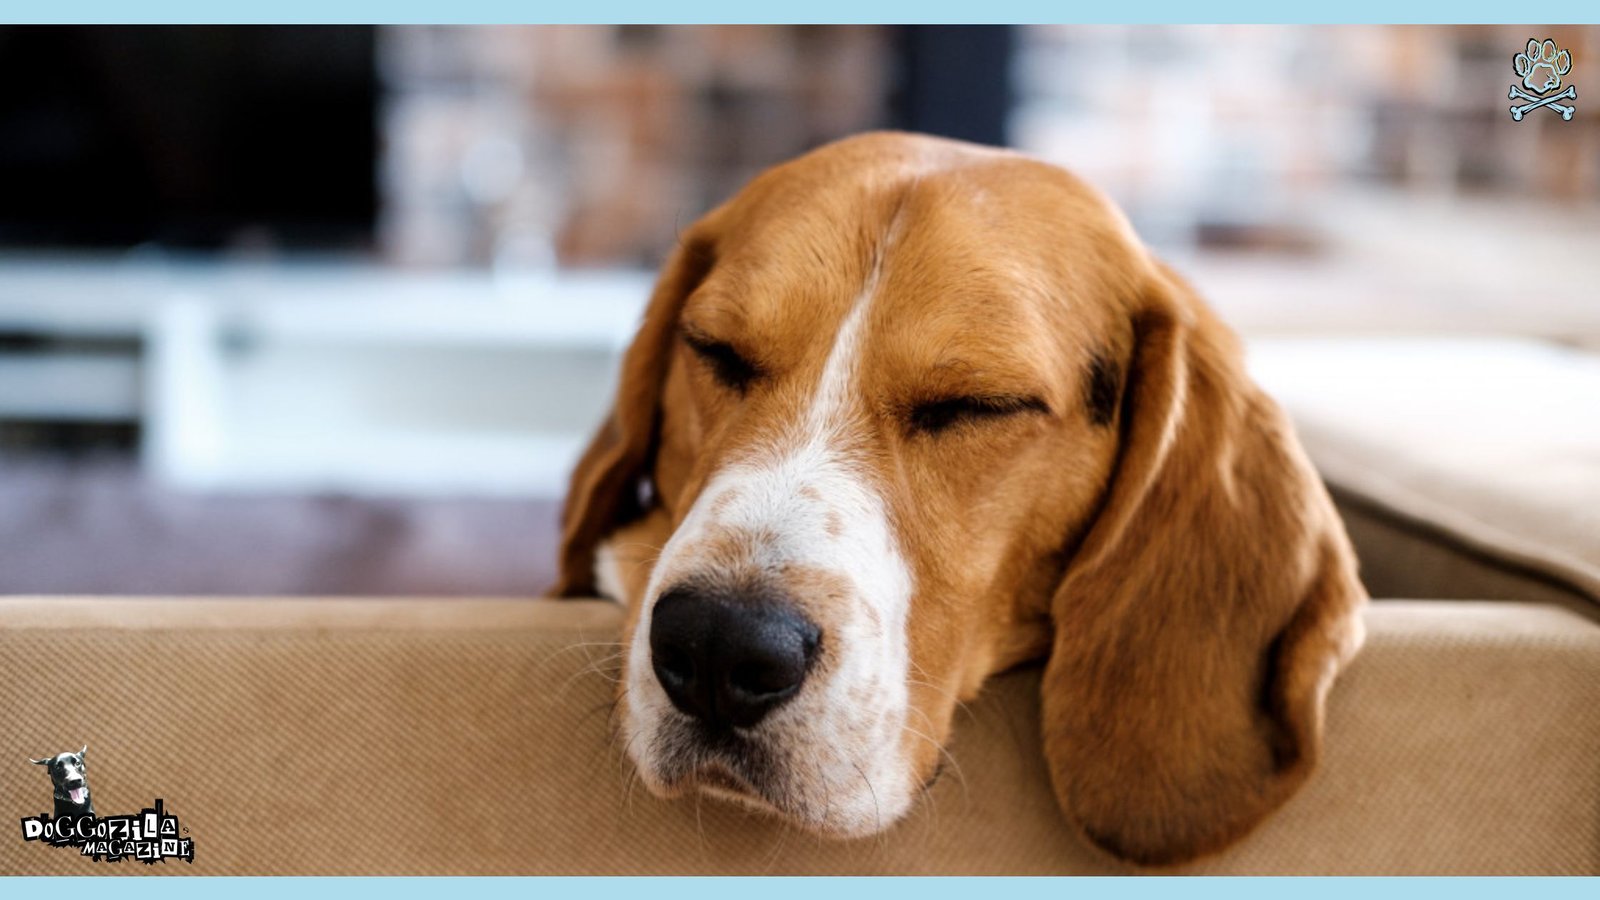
x=907, y=412
x=68, y=775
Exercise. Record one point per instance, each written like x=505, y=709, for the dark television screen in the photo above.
x=188, y=137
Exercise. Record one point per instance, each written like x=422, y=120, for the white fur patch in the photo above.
x=812, y=506
x=608, y=573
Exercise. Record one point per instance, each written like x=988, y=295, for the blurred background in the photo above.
x=331, y=310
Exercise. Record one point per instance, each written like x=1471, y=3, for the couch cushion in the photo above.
x=1490, y=445
x=418, y=737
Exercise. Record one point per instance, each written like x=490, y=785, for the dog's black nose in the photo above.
x=729, y=660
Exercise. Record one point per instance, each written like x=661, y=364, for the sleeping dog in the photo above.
x=907, y=412
x=67, y=774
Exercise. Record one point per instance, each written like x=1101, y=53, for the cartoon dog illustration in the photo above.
x=67, y=773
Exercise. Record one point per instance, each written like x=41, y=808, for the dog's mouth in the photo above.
x=723, y=783
x=720, y=781
x=724, y=767
x=78, y=793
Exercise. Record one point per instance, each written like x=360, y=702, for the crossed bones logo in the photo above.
x=1541, y=67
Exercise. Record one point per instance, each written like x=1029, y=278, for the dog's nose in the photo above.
x=729, y=660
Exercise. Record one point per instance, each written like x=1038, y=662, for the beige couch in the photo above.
x=398, y=737
x=472, y=737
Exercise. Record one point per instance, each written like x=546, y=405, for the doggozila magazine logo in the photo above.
x=151, y=835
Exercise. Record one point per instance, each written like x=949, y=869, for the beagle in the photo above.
x=908, y=412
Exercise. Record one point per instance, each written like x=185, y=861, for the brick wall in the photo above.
x=593, y=145
x=1241, y=133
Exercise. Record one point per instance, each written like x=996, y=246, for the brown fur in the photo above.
x=1177, y=560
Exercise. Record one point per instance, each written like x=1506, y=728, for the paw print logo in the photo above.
x=1541, y=67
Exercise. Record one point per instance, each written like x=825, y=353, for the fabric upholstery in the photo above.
x=423, y=737
x=1492, y=443
x=1405, y=557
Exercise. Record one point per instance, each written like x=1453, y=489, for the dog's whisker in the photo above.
x=700, y=829
x=949, y=758
x=640, y=545
x=603, y=668
x=582, y=645
x=558, y=655
x=614, y=718
x=925, y=790
x=589, y=713
x=946, y=693
x=601, y=662
x=784, y=828
x=633, y=775
x=877, y=812
x=827, y=804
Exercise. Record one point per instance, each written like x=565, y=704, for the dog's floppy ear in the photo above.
x=41, y=762
x=1206, y=611
x=611, y=476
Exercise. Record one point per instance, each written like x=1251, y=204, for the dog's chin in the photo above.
x=721, y=783
x=722, y=780
x=706, y=772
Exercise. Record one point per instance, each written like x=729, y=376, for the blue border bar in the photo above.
x=810, y=11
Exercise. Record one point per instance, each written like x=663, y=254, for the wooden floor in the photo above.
x=99, y=527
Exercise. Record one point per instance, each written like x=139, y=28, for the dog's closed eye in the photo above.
x=727, y=364
x=938, y=416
